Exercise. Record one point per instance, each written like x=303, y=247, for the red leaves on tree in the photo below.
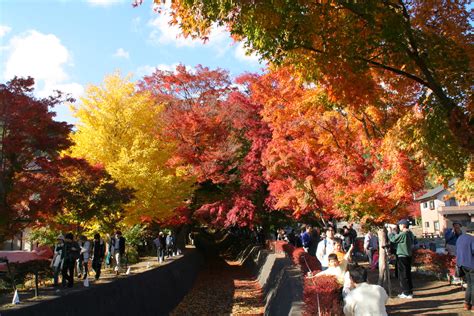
x=219, y=137
x=30, y=142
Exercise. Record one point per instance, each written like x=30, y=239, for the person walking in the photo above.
x=80, y=260
x=57, y=261
x=84, y=255
x=169, y=245
x=160, y=244
x=451, y=236
x=315, y=239
x=119, y=251
x=306, y=239
x=325, y=247
x=98, y=253
x=371, y=245
x=404, y=241
x=346, y=239
x=70, y=255
x=465, y=261
x=110, y=257
x=365, y=298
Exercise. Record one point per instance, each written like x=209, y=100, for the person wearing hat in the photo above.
x=465, y=260
x=404, y=241
x=57, y=261
x=451, y=236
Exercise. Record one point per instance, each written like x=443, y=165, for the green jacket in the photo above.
x=404, y=242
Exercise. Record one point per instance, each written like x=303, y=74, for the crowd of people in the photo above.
x=334, y=249
x=72, y=257
x=165, y=246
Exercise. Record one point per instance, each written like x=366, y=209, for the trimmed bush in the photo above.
x=321, y=294
x=435, y=263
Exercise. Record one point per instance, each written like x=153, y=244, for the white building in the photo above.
x=438, y=211
x=19, y=242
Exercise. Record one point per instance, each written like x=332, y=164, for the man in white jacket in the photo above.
x=325, y=247
x=366, y=299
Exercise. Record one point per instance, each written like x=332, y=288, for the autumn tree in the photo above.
x=414, y=53
x=30, y=141
x=119, y=127
x=220, y=137
x=324, y=158
x=90, y=199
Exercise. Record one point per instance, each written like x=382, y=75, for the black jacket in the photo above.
x=121, y=242
x=99, y=249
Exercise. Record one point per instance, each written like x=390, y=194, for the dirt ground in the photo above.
x=430, y=297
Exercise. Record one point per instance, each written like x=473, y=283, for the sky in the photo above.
x=67, y=45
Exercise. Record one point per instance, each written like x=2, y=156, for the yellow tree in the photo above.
x=119, y=127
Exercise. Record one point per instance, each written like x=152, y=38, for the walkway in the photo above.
x=431, y=297
x=223, y=288
x=47, y=291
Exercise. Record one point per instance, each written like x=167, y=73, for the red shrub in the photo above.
x=322, y=294
x=279, y=245
x=326, y=289
x=434, y=262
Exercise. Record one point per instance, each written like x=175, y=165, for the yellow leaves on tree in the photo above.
x=119, y=127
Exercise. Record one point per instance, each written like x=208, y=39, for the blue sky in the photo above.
x=68, y=44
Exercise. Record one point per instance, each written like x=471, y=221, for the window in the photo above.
x=432, y=205
x=425, y=205
x=427, y=224
x=436, y=225
x=451, y=202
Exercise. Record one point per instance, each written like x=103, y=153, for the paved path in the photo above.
x=48, y=292
x=431, y=297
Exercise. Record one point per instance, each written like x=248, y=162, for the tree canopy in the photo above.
x=367, y=53
x=30, y=142
x=119, y=127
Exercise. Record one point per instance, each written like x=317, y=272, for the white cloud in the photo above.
x=104, y=3
x=74, y=89
x=4, y=30
x=121, y=53
x=145, y=71
x=164, y=33
x=43, y=57
x=166, y=67
x=241, y=54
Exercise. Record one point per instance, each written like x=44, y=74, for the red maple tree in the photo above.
x=30, y=141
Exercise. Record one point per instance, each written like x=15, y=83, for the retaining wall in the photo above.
x=280, y=280
x=153, y=292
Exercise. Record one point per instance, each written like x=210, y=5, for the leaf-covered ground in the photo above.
x=223, y=288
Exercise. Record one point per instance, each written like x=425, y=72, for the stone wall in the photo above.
x=280, y=280
x=154, y=292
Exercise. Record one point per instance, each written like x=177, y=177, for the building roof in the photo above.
x=435, y=191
